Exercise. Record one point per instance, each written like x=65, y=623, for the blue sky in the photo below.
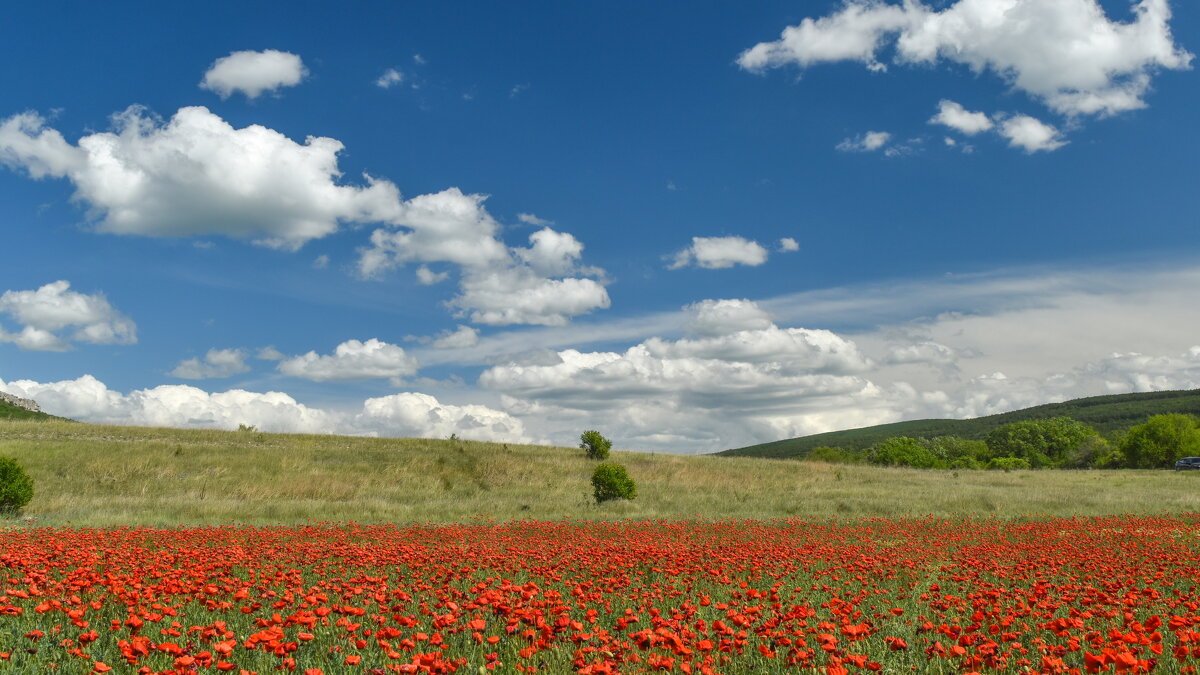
x=692, y=226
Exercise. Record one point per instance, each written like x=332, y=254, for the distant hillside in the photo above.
x=1106, y=413
x=15, y=412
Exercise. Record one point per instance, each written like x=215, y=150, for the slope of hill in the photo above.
x=92, y=475
x=16, y=412
x=1106, y=413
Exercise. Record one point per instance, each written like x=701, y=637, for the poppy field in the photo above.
x=1079, y=595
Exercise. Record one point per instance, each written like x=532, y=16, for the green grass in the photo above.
x=89, y=475
x=1107, y=414
x=15, y=412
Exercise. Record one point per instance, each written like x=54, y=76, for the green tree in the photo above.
x=1160, y=441
x=1042, y=443
x=1088, y=454
x=595, y=445
x=903, y=451
x=612, y=481
x=16, y=487
x=960, y=453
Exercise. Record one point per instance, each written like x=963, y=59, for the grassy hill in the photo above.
x=91, y=475
x=1106, y=413
x=15, y=412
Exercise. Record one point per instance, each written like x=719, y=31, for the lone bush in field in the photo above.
x=16, y=488
x=595, y=445
x=611, y=481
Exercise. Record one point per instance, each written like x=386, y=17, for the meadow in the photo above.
x=930, y=595
x=91, y=475
x=171, y=552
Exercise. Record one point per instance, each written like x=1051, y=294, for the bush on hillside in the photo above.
x=1161, y=441
x=611, y=481
x=16, y=487
x=595, y=445
x=833, y=455
x=903, y=451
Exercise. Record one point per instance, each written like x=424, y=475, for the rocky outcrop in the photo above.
x=20, y=402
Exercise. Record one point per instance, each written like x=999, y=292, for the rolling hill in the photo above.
x=1107, y=414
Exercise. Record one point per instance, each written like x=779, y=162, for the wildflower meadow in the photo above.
x=968, y=595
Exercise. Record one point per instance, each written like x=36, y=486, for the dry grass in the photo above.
x=99, y=475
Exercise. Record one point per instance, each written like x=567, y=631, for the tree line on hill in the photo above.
x=1109, y=414
x=1053, y=443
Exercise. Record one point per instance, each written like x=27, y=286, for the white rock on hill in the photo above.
x=20, y=402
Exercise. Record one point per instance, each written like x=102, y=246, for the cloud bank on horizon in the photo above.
x=257, y=242
x=733, y=377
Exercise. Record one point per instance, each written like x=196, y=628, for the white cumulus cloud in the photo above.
x=460, y=338
x=533, y=219
x=198, y=175
x=215, y=364
x=543, y=284
x=719, y=253
x=956, y=117
x=1065, y=53
x=724, y=317
x=788, y=245
x=868, y=142
x=551, y=253
x=88, y=399
x=743, y=378
x=352, y=360
x=53, y=316
x=412, y=414
x=427, y=277
x=448, y=226
x=253, y=73
x=518, y=295
x=389, y=78
x=269, y=353
x=1030, y=134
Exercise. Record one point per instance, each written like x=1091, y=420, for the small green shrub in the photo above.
x=16, y=487
x=965, y=463
x=1009, y=463
x=611, y=481
x=595, y=445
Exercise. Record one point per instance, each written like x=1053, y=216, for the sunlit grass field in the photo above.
x=89, y=475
